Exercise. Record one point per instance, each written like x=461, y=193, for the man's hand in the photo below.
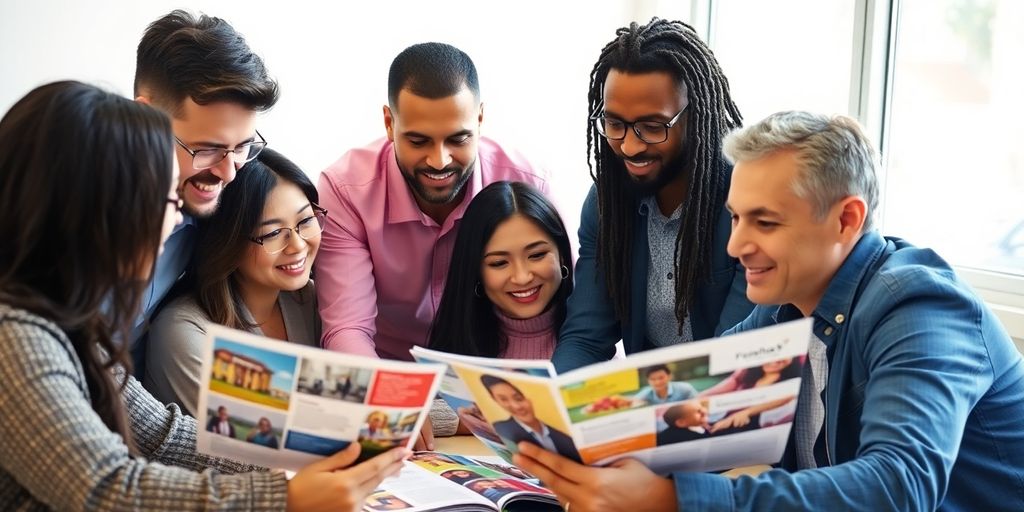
x=425, y=440
x=624, y=485
x=330, y=484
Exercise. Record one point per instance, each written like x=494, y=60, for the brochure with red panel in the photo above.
x=700, y=406
x=282, y=405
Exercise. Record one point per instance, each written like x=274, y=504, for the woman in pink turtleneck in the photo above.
x=509, y=278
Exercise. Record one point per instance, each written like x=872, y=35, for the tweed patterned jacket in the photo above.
x=56, y=453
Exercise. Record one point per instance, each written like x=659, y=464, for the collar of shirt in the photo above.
x=186, y=222
x=649, y=204
x=402, y=205
x=833, y=309
x=544, y=432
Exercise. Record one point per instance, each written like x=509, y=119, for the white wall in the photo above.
x=534, y=59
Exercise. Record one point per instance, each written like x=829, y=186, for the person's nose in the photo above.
x=440, y=157
x=226, y=169
x=631, y=144
x=521, y=274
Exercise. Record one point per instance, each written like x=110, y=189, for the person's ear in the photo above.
x=480, y=115
x=852, y=215
x=389, y=123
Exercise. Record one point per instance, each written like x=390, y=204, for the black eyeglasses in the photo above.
x=208, y=157
x=177, y=203
x=651, y=132
x=308, y=228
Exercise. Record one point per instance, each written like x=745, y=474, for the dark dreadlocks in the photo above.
x=672, y=47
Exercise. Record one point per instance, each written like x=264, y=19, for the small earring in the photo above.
x=565, y=272
x=477, y=290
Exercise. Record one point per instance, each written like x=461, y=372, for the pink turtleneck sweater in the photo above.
x=532, y=338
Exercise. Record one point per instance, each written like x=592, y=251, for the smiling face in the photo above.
x=651, y=96
x=658, y=380
x=790, y=255
x=222, y=125
x=521, y=268
x=435, y=143
x=510, y=399
x=694, y=414
x=288, y=270
x=377, y=421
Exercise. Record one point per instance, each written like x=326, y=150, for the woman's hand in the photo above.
x=735, y=420
x=330, y=484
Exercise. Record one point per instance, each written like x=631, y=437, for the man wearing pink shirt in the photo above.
x=396, y=204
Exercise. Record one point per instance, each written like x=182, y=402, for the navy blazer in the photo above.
x=512, y=431
x=591, y=329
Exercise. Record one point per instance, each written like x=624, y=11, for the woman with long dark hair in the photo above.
x=86, y=200
x=509, y=278
x=254, y=257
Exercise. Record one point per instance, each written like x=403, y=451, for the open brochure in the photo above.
x=433, y=481
x=701, y=406
x=461, y=400
x=283, y=405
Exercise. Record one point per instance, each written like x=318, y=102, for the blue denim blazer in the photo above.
x=924, y=402
x=591, y=329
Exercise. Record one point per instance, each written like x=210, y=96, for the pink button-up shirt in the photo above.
x=382, y=263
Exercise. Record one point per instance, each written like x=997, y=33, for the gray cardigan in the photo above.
x=174, y=358
x=56, y=453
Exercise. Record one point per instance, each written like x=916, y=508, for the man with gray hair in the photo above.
x=912, y=395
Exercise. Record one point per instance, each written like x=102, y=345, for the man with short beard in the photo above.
x=201, y=72
x=396, y=204
x=652, y=268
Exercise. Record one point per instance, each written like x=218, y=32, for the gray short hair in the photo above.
x=837, y=158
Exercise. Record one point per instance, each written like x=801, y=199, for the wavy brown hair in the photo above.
x=84, y=177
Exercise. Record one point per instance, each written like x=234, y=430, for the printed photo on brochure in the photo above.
x=701, y=406
x=282, y=405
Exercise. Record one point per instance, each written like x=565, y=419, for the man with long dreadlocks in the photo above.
x=652, y=266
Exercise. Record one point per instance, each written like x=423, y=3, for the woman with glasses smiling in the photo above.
x=252, y=272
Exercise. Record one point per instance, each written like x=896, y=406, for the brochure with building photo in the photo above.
x=439, y=481
x=459, y=398
x=701, y=406
x=282, y=405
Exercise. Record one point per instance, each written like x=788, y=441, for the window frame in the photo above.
x=875, y=30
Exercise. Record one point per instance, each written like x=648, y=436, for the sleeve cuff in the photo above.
x=703, y=491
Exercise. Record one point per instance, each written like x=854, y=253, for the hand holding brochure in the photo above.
x=700, y=406
x=281, y=405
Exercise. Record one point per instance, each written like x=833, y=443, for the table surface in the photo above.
x=469, y=445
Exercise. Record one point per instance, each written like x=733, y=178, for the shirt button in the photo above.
x=828, y=331
x=670, y=275
x=840, y=318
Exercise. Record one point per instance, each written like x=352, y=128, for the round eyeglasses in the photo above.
x=308, y=229
x=205, y=158
x=651, y=132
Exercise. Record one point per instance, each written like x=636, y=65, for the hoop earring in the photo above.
x=478, y=291
x=565, y=272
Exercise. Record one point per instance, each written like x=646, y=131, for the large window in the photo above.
x=785, y=54
x=938, y=85
x=955, y=159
